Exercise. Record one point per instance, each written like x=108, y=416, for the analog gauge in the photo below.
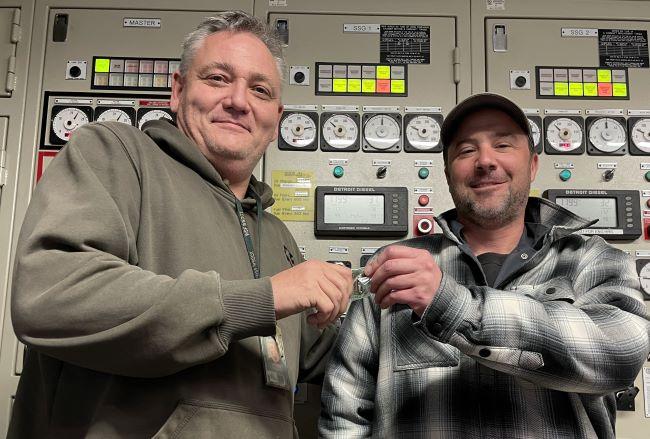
x=535, y=131
x=65, y=120
x=640, y=134
x=423, y=132
x=115, y=115
x=297, y=131
x=563, y=134
x=643, y=267
x=340, y=132
x=381, y=132
x=607, y=134
x=153, y=115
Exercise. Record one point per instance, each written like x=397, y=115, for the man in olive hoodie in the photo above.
x=149, y=283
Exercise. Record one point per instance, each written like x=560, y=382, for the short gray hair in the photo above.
x=232, y=21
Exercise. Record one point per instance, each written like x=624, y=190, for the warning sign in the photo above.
x=623, y=48
x=405, y=44
x=294, y=195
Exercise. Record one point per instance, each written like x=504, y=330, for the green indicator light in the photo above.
x=102, y=65
x=338, y=171
x=647, y=176
x=565, y=175
x=423, y=173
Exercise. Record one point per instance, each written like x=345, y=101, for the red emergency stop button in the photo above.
x=424, y=226
x=423, y=200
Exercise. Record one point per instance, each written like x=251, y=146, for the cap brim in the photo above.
x=478, y=102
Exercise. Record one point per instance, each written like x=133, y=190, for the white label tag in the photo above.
x=607, y=165
x=277, y=2
x=340, y=250
x=563, y=165
x=422, y=190
x=423, y=163
x=645, y=166
x=601, y=232
x=607, y=112
x=380, y=109
x=368, y=250
x=642, y=253
x=495, y=5
x=301, y=107
x=572, y=32
x=360, y=28
x=563, y=111
x=141, y=22
x=638, y=112
x=381, y=163
x=339, y=107
x=422, y=109
x=338, y=162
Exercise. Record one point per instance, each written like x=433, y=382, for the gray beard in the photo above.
x=508, y=210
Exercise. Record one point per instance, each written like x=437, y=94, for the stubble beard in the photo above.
x=491, y=216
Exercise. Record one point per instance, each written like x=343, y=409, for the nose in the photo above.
x=486, y=158
x=237, y=97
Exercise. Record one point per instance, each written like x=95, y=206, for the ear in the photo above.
x=277, y=122
x=534, y=166
x=177, y=91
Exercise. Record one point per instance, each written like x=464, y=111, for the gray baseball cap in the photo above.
x=479, y=102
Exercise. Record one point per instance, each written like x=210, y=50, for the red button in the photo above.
x=423, y=200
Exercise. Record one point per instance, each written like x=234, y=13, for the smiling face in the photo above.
x=228, y=103
x=489, y=169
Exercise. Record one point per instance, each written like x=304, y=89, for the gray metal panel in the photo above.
x=7, y=48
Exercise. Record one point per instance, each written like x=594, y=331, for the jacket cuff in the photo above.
x=248, y=309
x=445, y=313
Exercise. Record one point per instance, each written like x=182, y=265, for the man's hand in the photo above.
x=312, y=284
x=404, y=275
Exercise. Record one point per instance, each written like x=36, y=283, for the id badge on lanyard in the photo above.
x=276, y=373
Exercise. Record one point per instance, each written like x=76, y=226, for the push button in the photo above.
x=423, y=200
x=338, y=171
x=423, y=173
x=565, y=175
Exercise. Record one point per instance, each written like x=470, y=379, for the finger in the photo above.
x=342, y=284
x=394, y=251
x=391, y=268
x=324, y=307
x=396, y=283
x=331, y=298
x=397, y=297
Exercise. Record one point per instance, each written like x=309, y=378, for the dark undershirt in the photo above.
x=491, y=263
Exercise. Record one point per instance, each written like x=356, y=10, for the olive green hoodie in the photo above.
x=134, y=293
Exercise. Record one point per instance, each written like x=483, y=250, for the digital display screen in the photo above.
x=353, y=209
x=603, y=209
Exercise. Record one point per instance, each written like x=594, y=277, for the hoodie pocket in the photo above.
x=412, y=349
x=203, y=419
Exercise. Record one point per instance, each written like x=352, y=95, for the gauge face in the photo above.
x=644, y=278
x=423, y=132
x=641, y=134
x=564, y=134
x=381, y=132
x=115, y=115
x=153, y=115
x=298, y=130
x=535, y=131
x=66, y=121
x=340, y=131
x=607, y=134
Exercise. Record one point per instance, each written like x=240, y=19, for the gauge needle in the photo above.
x=333, y=124
x=606, y=124
x=382, y=120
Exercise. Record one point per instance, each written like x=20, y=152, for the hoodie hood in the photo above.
x=182, y=149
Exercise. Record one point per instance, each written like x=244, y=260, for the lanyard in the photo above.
x=248, y=240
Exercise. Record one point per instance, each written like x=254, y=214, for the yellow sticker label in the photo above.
x=368, y=85
x=620, y=89
x=354, y=85
x=397, y=86
x=575, y=88
x=383, y=72
x=294, y=195
x=590, y=89
x=102, y=65
x=561, y=89
x=340, y=85
x=604, y=75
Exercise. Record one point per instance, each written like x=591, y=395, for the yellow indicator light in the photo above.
x=354, y=85
x=604, y=75
x=368, y=85
x=397, y=86
x=620, y=89
x=561, y=89
x=590, y=89
x=575, y=88
x=383, y=72
x=340, y=85
x=102, y=65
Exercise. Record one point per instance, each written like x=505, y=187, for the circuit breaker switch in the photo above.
x=499, y=38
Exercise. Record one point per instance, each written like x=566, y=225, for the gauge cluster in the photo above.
x=64, y=114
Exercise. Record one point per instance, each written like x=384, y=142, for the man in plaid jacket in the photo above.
x=506, y=325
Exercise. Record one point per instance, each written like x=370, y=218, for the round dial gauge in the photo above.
x=153, y=115
x=423, y=132
x=381, y=132
x=607, y=134
x=564, y=134
x=66, y=121
x=535, y=131
x=644, y=278
x=115, y=115
x=340, y=131
x=298, y=130
x=641, y=134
